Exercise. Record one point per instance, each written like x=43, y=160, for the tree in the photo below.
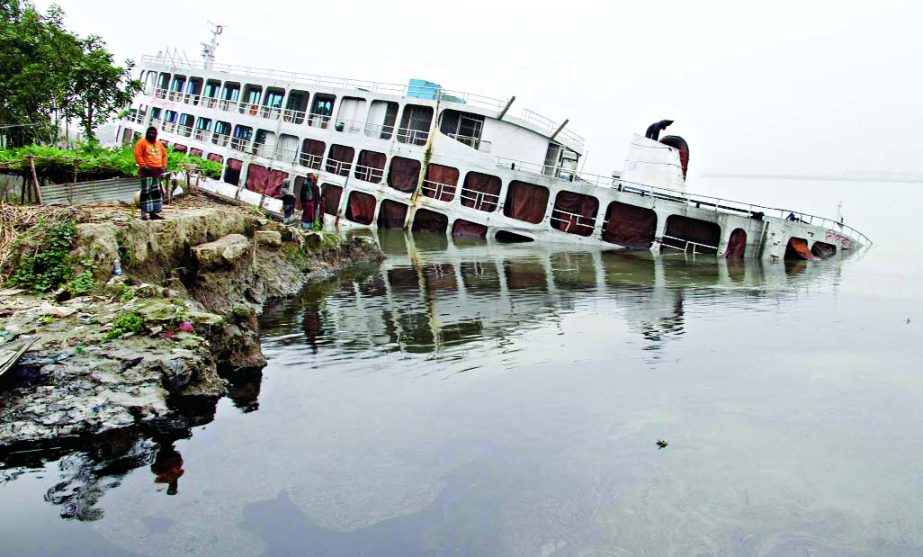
x=47, y=72
x=97, y=88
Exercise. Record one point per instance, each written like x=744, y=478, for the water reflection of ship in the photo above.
x=432, y=293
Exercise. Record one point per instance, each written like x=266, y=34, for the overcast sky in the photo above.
x=804, y=86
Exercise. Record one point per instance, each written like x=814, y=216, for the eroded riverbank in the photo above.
x=176, y=325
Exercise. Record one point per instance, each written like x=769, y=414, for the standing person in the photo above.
x=151, y=157
x=308, y=197
x=288, y=202
x=318, y=206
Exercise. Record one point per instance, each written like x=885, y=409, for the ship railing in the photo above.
x=156, y=123
x=551, y=126
x=136, y=117
x=271, y=112
x=286, y=154
x=220, y=139
x=551, y=171
x=185, y=131
x=569, y=220
x=348, y=126
x=687, y=246
x=294, y=116
x=227, y=105
x=414, y=137
x=252, y=109
x=474, y=142
x=168, y=126
x=480, y=200
x=482, y=101
x=369, y=173
x=240, y=144
x=341, y=168
x=160, y=93
x=319, y=120
x=377, y=130
x=435, y=189
x=311, y=161
x=201, y=134
x=210, y=102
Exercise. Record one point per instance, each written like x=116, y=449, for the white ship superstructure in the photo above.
x=423, y=158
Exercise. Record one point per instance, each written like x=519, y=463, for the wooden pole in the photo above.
x=73, y=188
x=38, y=192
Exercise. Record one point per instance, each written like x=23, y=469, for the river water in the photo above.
x=466, y=399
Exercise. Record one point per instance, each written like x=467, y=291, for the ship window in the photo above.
x=331, y=195
x=371, y=166
x=360, y=208
x=264, y=180
x=186, y=122
x=797, y=248
x=321, y=110
x=272, y=104
x=241, y=138
x=823, y=250
x=264, y=143
x=296, y=106
x=170, y=116
x=196, y=152
x=250, y=103
x=163, y=85
x=232, y=171
x=481, y=192
x=350, y=115
x=737, y=244
x=202, y=127
x=156, y=114
x=629, y=226
x=126, y=136
x=466, y=229
x=382, y=116
x=212, y=88
x=415, y=123
x=288, y=147
x=179, y=148
x=574, y=213
x=340, y=160
x=222, y=132
x=690, y=235
x=176, y=87
x=193, y=90
x=404, y=174
x=392, y=215
x=463, y=127
x=312, y=153
x=526, y=202
x=229, y=96
x=216, y=157
x=430, y=221
x=440, y=182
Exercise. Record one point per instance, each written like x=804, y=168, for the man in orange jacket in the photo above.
x=151, y=157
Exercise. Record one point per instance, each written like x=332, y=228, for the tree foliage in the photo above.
x=48, y=74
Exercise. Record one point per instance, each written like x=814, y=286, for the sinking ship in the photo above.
x=421, y=157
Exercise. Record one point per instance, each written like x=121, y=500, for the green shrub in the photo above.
x=128, y=322
x=48, y=266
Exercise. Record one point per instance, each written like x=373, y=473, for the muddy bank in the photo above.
x=176, y=325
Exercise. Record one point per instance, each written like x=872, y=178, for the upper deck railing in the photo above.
x=444, y=95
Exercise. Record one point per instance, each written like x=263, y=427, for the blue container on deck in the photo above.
x=422, y=89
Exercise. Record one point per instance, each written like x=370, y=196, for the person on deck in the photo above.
x=288, y=203
x=151, y=157
x=310, y=199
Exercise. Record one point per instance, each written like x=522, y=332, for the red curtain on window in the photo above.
x=630, y=226
x=441, y=175
x=404, y=174
x=340, y=159
x=475, y=183
x=196, y=152
x=737, y=244
x=215, y=157
x=392, y=215
x=360, y=208
x=331, y=196
x=371, y=166
x=526, y=202
x=575, y=213
x=429, y=221
x=466, y=229
x=232, y=171
x=265, y=180
x=179, y=148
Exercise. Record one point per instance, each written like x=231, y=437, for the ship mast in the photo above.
x=208, y=49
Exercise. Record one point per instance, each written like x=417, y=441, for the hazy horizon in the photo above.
x=791, y=88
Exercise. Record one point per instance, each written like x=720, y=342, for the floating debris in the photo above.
x=661, y=444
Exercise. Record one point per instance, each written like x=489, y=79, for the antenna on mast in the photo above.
x=208, y=49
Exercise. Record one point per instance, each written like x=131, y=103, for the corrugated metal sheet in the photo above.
x=100, y=191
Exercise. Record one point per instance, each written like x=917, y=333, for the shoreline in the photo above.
x=178, y=326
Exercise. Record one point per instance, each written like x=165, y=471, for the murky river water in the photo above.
x=508, y=400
